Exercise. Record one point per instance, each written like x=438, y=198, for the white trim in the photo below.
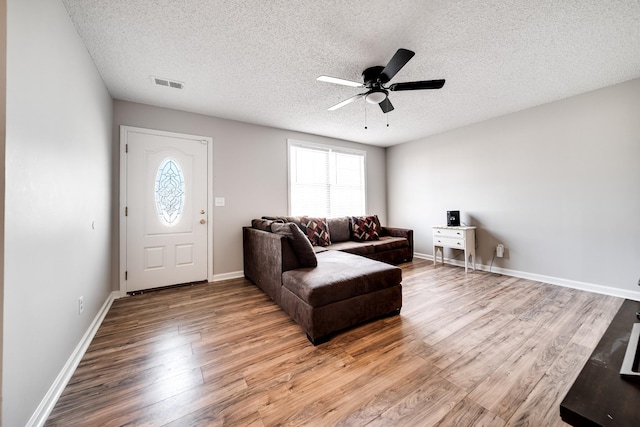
x=123, y=197
x=567, y=283
x=228, y=276
x=323, y=146
x=121, y=207
x=50, y=399
x=210, y=212
x=423, y=256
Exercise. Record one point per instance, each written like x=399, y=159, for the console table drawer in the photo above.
x=443, y=232
x=449, y=242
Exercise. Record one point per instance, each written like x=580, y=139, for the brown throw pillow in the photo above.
x=317, y=230
x=299, y=243
x=364, y=228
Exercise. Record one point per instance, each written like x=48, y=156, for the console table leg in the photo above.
x=437, y=249
x=466, y=261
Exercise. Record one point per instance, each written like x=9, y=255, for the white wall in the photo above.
x=250, y=171
x=558, y=185
x=58, y=180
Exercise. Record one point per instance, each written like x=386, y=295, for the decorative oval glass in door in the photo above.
x=169, y=191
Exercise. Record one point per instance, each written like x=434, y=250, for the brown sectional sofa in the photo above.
x=349, y=285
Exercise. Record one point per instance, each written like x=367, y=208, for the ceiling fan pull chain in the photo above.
x=365, y=114
x=387, y=119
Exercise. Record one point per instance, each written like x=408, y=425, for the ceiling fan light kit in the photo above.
x=376, y=96
x=375, y=79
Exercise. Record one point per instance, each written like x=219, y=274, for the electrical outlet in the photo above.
x=500, y=251
x=80, y=305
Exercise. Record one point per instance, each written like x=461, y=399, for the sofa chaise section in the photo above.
x=342, y=290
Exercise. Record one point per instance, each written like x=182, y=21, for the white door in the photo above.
x=166, y=211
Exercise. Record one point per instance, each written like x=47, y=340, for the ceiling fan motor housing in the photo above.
x=373, y=76
x=373, y=79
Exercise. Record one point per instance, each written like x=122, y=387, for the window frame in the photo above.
x=330, y=148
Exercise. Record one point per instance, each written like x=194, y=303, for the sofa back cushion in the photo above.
x=299, y=242
x=262, y=224
x=294, y=219
x=340, y=229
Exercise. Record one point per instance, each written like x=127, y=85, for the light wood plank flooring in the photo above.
x=470, y=349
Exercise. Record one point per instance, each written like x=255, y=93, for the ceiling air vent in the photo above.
x=160, y=81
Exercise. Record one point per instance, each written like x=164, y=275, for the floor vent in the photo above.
x=167, y=82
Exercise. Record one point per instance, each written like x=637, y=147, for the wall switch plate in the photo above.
x=219, y=201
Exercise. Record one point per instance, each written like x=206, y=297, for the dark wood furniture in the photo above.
x=600, y=396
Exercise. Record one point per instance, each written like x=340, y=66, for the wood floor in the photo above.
x=470, y=349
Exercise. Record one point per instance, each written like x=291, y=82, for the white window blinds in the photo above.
x=325, y=181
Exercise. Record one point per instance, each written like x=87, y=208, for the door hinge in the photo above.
x=126, y=211
x=126, y=148
x=126, y=274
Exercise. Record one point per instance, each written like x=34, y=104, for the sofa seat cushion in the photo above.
x=389, y=243
x=358, y=248
x=318, y=249
x=340, y=276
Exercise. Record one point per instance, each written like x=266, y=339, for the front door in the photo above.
x=166, y=208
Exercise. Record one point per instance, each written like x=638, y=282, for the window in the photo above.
x=169, y=192
x=325, y=181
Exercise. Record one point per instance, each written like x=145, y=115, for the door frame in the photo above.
x=124, y=131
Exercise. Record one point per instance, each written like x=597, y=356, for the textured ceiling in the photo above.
x=257, y=61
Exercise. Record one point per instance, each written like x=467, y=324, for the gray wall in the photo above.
x=558, y=185
x=58, y=180
x=250, y=171
x=3, y=127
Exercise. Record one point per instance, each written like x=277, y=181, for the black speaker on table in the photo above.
x=453, y=218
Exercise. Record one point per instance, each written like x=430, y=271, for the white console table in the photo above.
x=463, y=238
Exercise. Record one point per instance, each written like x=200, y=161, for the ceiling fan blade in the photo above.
x=398, y=61
x=386, y=105
x=338, y=81
x=346, y=101
x=424, y=84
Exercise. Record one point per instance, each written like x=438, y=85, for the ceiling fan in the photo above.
x=375, y=79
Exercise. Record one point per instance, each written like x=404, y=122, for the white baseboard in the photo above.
x=583, y=286
x=45, y=407
x=228, y=276
x=423, y=256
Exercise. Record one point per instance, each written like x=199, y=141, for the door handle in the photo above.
x=202, y=221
